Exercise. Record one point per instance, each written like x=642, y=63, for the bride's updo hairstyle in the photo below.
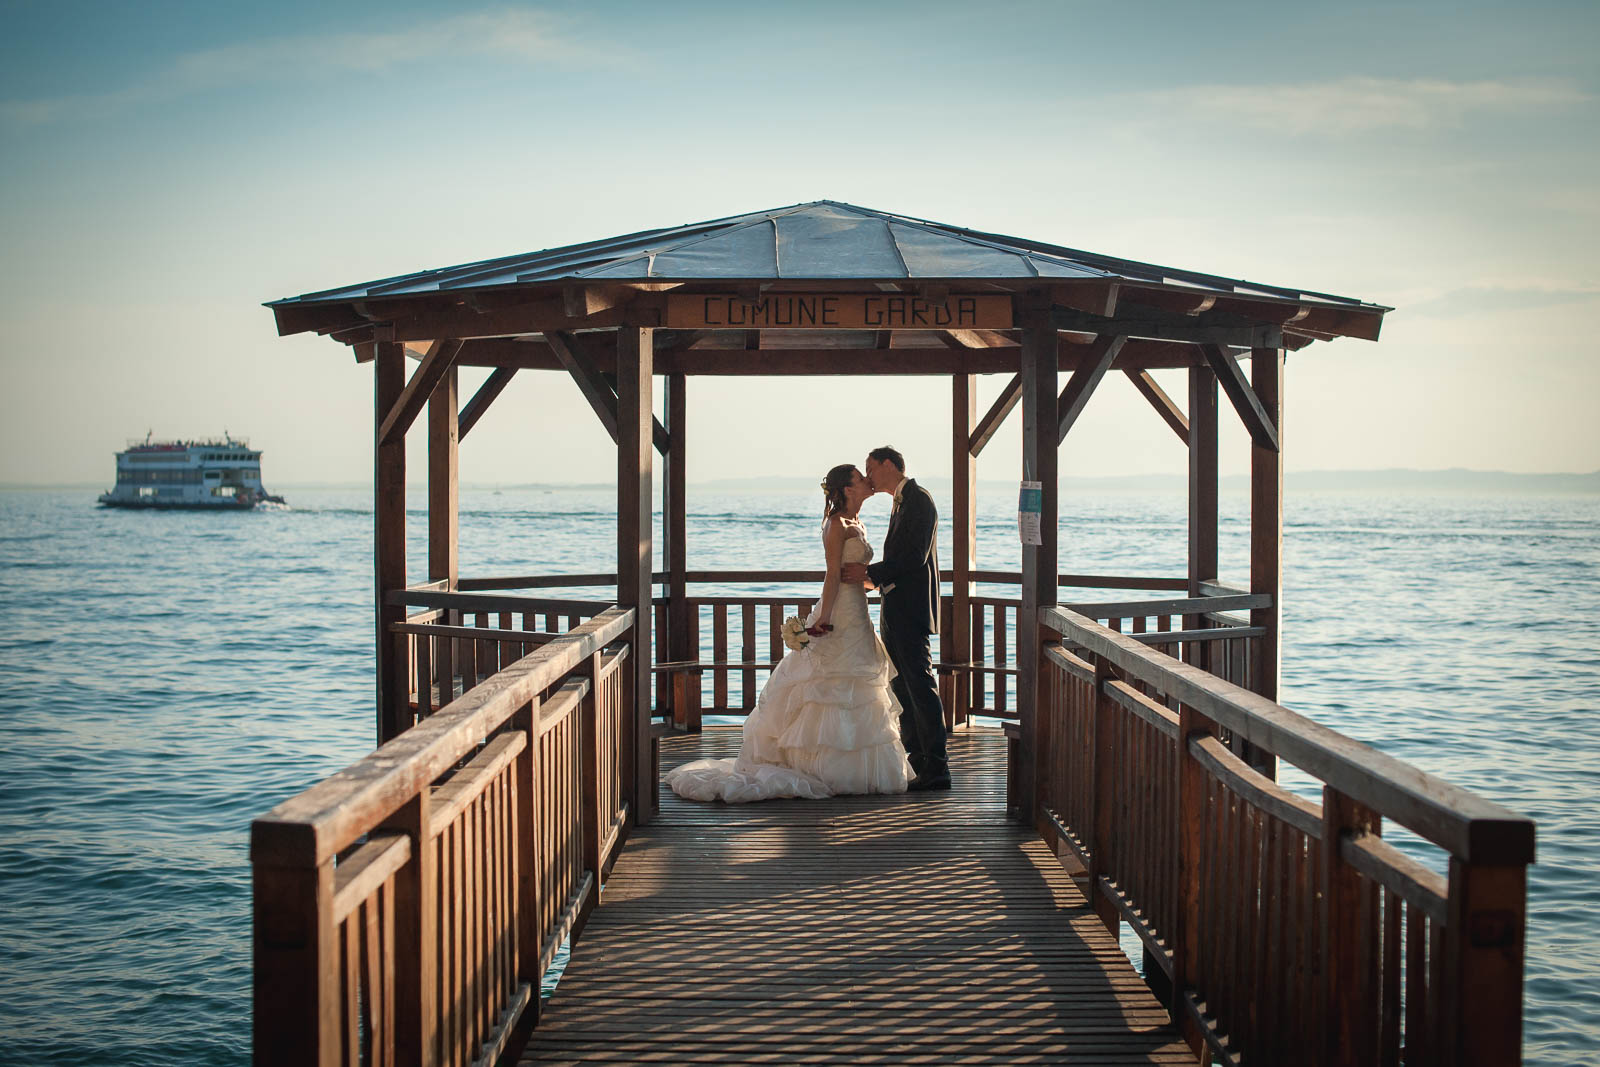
x=833, y=487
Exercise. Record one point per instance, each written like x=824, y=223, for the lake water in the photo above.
x=166, y=677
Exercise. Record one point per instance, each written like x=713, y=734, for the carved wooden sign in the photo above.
x=837, y=311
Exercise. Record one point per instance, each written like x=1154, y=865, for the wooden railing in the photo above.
x=460, y=638
x=406, y=908
x=1284, y=930
x=734, y=642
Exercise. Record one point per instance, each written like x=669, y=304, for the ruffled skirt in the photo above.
x=826, y=723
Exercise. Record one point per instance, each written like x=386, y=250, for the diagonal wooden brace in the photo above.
x=439, y=358
x=989, y=425
x=596, y=389
x=492, y=387
x=1164, y=404
x=1090, y=370
x=1255, y=418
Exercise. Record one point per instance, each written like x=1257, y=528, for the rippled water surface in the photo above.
x=166, y=677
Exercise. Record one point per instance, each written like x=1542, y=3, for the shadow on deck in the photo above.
x=903, y=929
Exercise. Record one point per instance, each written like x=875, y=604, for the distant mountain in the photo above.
x=1393, y=480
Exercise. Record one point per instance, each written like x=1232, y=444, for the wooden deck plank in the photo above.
x=908, y=929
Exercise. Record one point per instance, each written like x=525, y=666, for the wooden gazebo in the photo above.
x=1142, y=740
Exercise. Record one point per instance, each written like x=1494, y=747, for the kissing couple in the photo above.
x=848, y=711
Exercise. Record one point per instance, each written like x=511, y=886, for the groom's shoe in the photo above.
x=927, y=783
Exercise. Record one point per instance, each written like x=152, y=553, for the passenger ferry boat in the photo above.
x=220, y=472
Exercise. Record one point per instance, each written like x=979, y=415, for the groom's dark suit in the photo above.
x=908, y=578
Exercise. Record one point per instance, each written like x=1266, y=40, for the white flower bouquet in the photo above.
x=794, y=633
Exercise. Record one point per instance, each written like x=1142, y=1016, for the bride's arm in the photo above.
x=833, y=539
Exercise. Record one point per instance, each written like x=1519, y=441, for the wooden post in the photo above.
x=1040, y=439
x=1106, y=823
x=1350, y=1017
x=955, y=643
x=1192, y=818
x=416, y=916
x=444, y=511
x=1484, y=957
x=444, y=504
x=1266, y=537
x=589, y=814
x=296, y=968
x=675, y=523
x=389, y=542
x=529, y=862
x=635, y=556
x=1202, y=492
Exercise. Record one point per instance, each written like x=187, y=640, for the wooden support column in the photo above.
x=1040, y=440
x=444, y=478
x=1266, y=538
x=389, y=541
x=675, y=524
x=955, y=641
x=1202, y=495
x=635, y=555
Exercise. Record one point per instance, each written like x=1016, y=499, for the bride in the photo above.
x=826, y=721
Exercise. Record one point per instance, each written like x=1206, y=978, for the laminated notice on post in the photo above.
x=1030, y=504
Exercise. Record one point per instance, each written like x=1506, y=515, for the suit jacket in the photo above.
x=910, y=563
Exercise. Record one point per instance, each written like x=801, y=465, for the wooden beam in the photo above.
x=943, y=360
x=1040, y=458
x=1096, y=298
x=532, y=315
x=590, y=382
x=491, y=388
x=675, y=525
x=582, y=301
x=440, y=358
x=635, y=555
x=596, y=388
x=389, y=540
x=444, y=480
x=1202, y=485
x=1160, y=401
x=1101, y=355
x=1156, y=324
x=955, y=642
x=1266, y=536
x=990, y=424
x=1262, y=427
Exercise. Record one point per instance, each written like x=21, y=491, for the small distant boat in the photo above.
x=212, y=473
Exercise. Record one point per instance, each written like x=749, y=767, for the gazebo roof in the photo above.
x=820, y=241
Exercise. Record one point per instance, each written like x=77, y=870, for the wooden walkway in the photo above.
x=909, y=929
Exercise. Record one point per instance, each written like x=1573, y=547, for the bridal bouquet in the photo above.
x=794, y=632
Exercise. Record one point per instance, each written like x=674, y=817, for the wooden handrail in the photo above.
x=413, y=901
x=315, y=825
x=1467, y=825
x=1277, y=929
x=769, y=577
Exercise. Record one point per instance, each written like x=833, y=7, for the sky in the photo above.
x=168, y=167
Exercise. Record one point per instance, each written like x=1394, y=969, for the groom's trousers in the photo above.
x=921, y=712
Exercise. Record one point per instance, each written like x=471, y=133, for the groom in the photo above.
x=907, y=576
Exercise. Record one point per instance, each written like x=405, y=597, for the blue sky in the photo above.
x=168, y=167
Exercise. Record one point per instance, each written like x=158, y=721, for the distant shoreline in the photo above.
x=1390, y=480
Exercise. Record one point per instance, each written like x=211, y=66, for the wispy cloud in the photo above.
x=1359, y=105
x=510, y=35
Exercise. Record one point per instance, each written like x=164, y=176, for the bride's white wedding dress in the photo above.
x=825, y=723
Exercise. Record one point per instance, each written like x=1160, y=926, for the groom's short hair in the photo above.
x=888, y=455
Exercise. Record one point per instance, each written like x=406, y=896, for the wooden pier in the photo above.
x=407, y=909
x=917, y=928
